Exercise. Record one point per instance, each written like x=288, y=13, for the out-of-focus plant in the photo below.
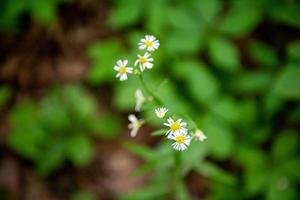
x=59, y=128
x=13, y=12
x=232, y=70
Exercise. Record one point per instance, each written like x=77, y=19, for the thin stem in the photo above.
x=146, y=88
x=177, y=171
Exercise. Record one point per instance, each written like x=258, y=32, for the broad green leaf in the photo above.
x=104, y=56
x=256, y=171
x=250, y=82
x=155, y=17
x=124, y=98
x=287, y=13
x=281, y=188
x=224, y=54
x=125, y=13
x=285, y=146
x=287, y=84
x=182, y=42
x=207, y=9
x=79, y=149
x=142, y=151
x=108, y=126
x=51, y=158
x=293, y=51
x=43, y=11
x=291, y=169
x=220, y=138
x=241, y=20
x=180, y=19
x=202, y=85
x=263, y=54
x=214, y=172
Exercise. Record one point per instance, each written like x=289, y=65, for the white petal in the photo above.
x=132, y=118
x=119, y=62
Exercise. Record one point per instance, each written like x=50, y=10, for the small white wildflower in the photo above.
x=199, y=135
x=160, y=112
x=149, y=42
x=182, y=140
x=144, y=61
x=122, y=69
x=135, y=124
x=140, y=99
x=175, y=126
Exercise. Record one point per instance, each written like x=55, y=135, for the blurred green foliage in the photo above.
x=237, y=85
x=44, y=12
x=59, y=128
x=233, y=65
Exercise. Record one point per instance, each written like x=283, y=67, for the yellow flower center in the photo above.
x=148, y=43
x=122, y=69
x=180, y=139
x=142, y=60
x=175, y=126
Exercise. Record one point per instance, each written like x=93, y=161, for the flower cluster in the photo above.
x=150, y=44
x=177, y=129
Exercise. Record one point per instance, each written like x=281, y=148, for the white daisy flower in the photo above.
x=122, y=69
x=144, y=61
x=139, y=100
x=149, y=42
x=182, y=140
x=160, y=112
x=135, y=124
x=199, y=135
x=175, y=126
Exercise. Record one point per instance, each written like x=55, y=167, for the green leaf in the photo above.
x=142, y=151
x=291, y=169
x=293, y=51
x=281, y=188
x=263, y=54
x=223, y=54
x=213, y=171
x=108, y=126
x=250, y=82
x=220, y=138
x=51, y=158
x=179, y=19
x=256, y=170
x=155, y=16
x=202, y=85
x=241, y=19
x=285, y=146
x=43, y=11
x=182, y=42
x=125, y=13
x=287, y=13
x=159, y=132
x=104, y=56
x=207, y=9
x=287, y=84
x=124, y=98
x=79, y=149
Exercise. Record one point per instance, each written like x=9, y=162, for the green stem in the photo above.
x=146, y=88
x=177, y=171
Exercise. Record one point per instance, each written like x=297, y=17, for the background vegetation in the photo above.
x=233, y=65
